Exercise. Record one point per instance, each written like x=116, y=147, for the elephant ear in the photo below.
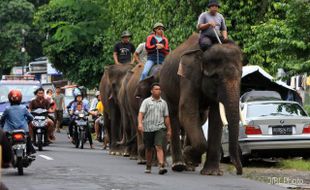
x=190, y=65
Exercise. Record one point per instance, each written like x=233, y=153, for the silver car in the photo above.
x=271, y=129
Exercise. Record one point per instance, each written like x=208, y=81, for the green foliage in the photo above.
x=15, y=15
x=307, y=108
x=294, y=164
x=274, y=35
x=79, y=36
x=74, y=44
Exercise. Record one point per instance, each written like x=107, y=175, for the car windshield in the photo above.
x=26, y=89
x=275, y=109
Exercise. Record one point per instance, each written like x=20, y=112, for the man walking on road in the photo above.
x=154, y=122
x=59, y=100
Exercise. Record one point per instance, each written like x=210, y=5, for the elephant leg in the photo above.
x=212, y=164
x=176, y=151
x=139, y=142
x=115, y=131
x=132, y=140
x=191, y=121
x=107, y=129
x=126, y=133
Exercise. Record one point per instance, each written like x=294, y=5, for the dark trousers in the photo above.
x=205, y=42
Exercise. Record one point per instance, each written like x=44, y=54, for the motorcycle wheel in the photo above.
x=20, y=168
x=82, y=137
x=40, y=142
x=77, y=143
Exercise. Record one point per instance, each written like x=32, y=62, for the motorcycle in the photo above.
x=20, y=160
x=81, y=124
x=40, y=127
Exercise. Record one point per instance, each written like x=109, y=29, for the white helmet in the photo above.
x=97, y=93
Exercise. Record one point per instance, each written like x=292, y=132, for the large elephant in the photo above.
x=129, y=107
x=109, y=89
x=194, y=83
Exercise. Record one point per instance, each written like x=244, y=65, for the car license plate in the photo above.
x=282, y=130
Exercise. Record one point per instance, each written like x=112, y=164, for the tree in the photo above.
x=273, y=34
x=81, y=34
x=74, y=44
x=15, y=16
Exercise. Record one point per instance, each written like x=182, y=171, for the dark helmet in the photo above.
x=15, y=96
x=158, y=24
x=213, y=2
x=126, y=33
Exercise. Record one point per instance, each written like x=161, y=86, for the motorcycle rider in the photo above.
x=76, y=92
x=41, y=102
x=94, y=102
x=99, y=111
x=16, y=117
x=80, y=106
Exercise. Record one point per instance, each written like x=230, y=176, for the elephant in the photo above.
x=195, y=83
x=129, y=107
x=109, y=89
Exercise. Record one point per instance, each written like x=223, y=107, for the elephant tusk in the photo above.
x=223, y=114
x=241, y=117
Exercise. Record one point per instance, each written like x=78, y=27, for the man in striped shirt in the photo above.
x=154, y=122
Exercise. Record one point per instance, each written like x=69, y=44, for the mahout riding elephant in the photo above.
x=195, y=83
x=109, y=89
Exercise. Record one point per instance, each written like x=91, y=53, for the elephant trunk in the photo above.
x=229, y=96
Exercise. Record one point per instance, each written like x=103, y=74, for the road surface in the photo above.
x=61, y=166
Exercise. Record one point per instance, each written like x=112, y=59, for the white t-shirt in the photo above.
x=141, y=51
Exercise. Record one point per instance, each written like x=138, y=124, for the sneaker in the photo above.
x=162, y=171
x=147, y=170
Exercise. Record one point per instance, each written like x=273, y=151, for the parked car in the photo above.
x=26, y=84
x=272, y=129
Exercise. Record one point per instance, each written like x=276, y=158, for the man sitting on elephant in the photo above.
x=209, y=23
x=124, y=50
x=157, y=47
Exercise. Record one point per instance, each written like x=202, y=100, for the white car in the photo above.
x=273, y=128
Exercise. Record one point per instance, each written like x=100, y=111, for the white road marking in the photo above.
x=46, y=157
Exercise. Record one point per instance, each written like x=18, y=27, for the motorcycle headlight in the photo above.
x=81, y=115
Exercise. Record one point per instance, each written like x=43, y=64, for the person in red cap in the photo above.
x=17, y=117
x=211, y=24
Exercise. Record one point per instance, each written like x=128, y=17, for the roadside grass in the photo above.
x=299, y=164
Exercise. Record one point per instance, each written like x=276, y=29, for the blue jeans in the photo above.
x=147, y=67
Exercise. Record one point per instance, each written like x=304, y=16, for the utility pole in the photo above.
x=23, y=50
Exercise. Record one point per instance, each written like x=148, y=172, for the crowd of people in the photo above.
x=153, y=119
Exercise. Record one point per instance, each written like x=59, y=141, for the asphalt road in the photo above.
x=61, y=166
